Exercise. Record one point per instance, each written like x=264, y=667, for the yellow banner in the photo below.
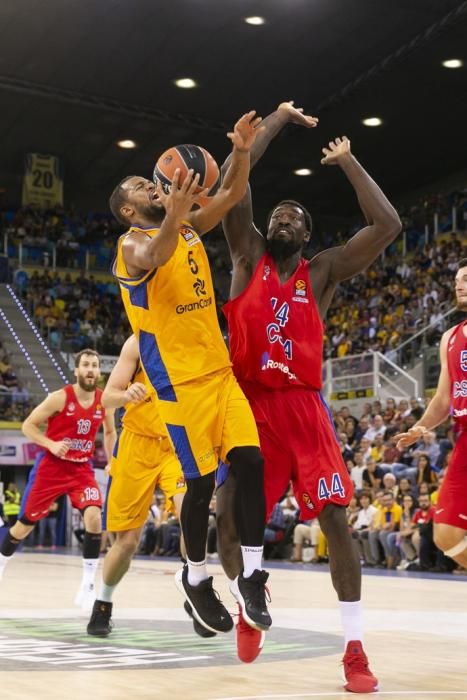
x=42, y=183
x=352, y=394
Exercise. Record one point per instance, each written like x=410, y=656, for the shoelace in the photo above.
x=357, y=663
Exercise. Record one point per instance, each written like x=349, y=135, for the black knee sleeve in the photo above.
x=247, y=465
x=91, y=545
x=9, y=545
x=195, y=515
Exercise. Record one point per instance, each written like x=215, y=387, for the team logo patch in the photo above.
x=307, y=501
x=267, y=272
x=71, y=407
x=187, y=233
x=180, y=483
x=167, y=160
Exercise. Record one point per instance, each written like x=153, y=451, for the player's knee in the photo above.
x=200, y=490
x=449, y=540
x=93, y=519
x=333, y=520
x=247, y=462
x=128, y=542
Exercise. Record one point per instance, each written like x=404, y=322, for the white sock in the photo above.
x=107, y=592
x=352, y=621
x=197, y=572
x=3, y=562
x=89, y=572
x=252, y=558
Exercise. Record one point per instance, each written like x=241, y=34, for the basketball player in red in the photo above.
x=73, y=414
x=275, y=314
x=450, y=519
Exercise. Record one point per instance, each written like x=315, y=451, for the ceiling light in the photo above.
x=126, y=143
x=453, y=63
x=185, y=83
x=372, y=121
x=303, y=171
x=255, y=20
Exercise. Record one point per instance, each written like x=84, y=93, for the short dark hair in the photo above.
x=293, y=203
x=117, y=199
x=389, y=493
x=462, y=263
x=86, y=351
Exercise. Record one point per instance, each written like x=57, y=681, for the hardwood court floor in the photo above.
x=416, y=637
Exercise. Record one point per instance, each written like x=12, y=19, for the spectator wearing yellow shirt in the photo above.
x=377, y=449
x=386, y=522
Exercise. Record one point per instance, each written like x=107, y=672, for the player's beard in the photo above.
x=280, y=249
x=461, y=304
x=87, y=384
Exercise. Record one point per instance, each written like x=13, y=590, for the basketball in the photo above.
x=188, y=157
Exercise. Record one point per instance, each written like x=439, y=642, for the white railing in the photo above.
x=367, y=375
x=406, y=353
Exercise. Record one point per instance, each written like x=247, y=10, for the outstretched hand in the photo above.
x=296, y=116
x=245, y=131
x=181, y=198
x=337, y=149
x=404, y=440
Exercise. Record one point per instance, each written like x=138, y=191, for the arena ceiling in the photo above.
x=77, y=76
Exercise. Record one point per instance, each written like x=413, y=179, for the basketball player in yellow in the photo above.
x=167, y=290
x=143, y=459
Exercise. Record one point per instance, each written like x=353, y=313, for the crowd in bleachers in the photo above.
x=390, y=517
x=15, y=402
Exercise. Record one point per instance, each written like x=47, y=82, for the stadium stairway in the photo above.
x=39, y=368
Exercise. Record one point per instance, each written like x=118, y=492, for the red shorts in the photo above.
x=52, y=477
x=451, y=508
x=299, y=444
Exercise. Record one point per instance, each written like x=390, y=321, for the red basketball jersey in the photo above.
x=457, y=365
x=77, y=426
x=276, y=333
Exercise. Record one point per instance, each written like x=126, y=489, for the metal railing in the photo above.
x=365, y=375
x=408, y=352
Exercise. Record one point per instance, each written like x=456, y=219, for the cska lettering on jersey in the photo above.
x=457, y=366
x=77, y=426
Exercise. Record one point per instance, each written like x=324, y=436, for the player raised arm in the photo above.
x=53, y=404
x=119, y=390
x=438, y=408
x=383, y=220
x=245, y=241
x=234, y=184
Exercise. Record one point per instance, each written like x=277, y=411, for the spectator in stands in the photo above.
x=372, y=476
x=409, y=536
x=386, y=522
x=357, y=470
x=48, y=525
x=304, y=534
x=376, y=428
x=426, y=473
x=362, y=526
x=11, y=504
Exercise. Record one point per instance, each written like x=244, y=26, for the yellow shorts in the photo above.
x=209, y=417
x=138, y=466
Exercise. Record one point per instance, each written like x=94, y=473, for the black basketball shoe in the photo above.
x=100, y=624
x=199, y=629
x=251, y=595
x=206, y=606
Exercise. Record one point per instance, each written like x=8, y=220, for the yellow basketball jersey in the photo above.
x=143, y=418
x=172, y=310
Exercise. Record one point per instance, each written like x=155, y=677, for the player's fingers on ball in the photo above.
x=325, y=151
x=176, y=178
x=332, y=145
x=194, y=184
x=338, y=140
x=256, y=122
x=188, y=181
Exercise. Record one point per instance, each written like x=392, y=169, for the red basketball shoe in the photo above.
x=249, y=640
x=358, y=677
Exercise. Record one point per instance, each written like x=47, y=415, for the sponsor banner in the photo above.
x=352, y=394
x=42, y=182
x=16, y=449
